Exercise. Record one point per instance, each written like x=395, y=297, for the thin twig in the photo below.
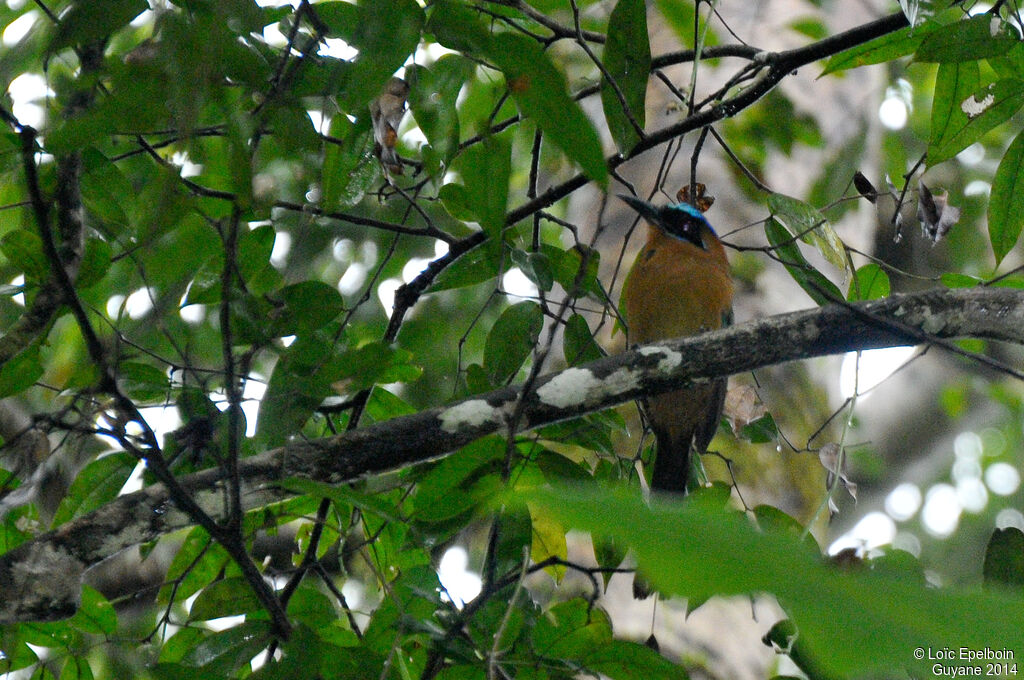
x=229, y=236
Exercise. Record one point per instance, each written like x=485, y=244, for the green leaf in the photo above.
x=298, y=385
x=485, y=170
x=412, y=596
x=312, y=608
x=43, y=672
x=161, y=208
x=51, y=634
x=76, y=668
x=760, y=431
x=96, y=260
x=511, y=340
x=592, y=432
x=478, y=265
x=386, y=34
x=975, y=115
x=869, y=283
x=1004, y=559
x=143, y=381
x=625, y=660
x=814, y=283
x=239, y=160
x=556, y=466
x=539, y=90
x=293, y=127
x=98, y=483
x=514, y=534
x=680, y=17
x=770, y=518
x=814, y=29
x=89, y=21
x=439, y=492
x=384, y=405
x=627, y=58
x=312, y=369
x=455, y=198
x=373, y=363
x=20, y=372
x=433, y=93
x=536, y=266
x=548, y=540
x=979, y=37
x=375, y=505
x=180, y=643
x=567, y=267
x=24, y=250
x=880, y=50
x=254, y=249
x=227, y=597
x=609, y=555
x=807, y=222
x=17, y=653
x=1006, y=202
x=340, y=19
x=327, y=652
x=1009, y=65
x=197, y=562
x=95, y=614
x=886, y=616
x=477, y=380
x=954, y=83
x=959, y=280
x=104, y=187
x=307, y=307
x=349, y=169
x=456, y=27
x=578, y=344
x=225, y=652
x=571, y=630
x=773, y=123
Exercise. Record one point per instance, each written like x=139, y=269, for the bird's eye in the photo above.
x=690, y=231
x=683, y=224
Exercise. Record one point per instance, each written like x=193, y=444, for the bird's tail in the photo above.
x=671, y=461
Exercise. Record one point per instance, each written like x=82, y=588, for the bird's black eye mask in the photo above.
x=685, y=222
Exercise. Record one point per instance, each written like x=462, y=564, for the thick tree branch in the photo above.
x=39, y=580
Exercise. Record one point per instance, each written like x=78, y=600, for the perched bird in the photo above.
x=386, y=113
x=678, y=285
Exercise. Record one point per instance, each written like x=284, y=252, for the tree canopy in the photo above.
x=297, y=297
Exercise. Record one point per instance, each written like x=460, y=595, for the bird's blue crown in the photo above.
x=692, y=213
x=683, y=221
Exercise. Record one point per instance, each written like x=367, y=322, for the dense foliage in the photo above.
x=222, y=238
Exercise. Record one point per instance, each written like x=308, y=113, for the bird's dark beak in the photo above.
x=647, y=210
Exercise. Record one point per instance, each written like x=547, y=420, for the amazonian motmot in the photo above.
x=678, y=285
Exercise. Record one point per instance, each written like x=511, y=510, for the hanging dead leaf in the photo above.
x=937, y=217
x=701, y=201
x=847, y=558
x=652, y=643
x=864, y=186
x=742, y=406
x=833, y=459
